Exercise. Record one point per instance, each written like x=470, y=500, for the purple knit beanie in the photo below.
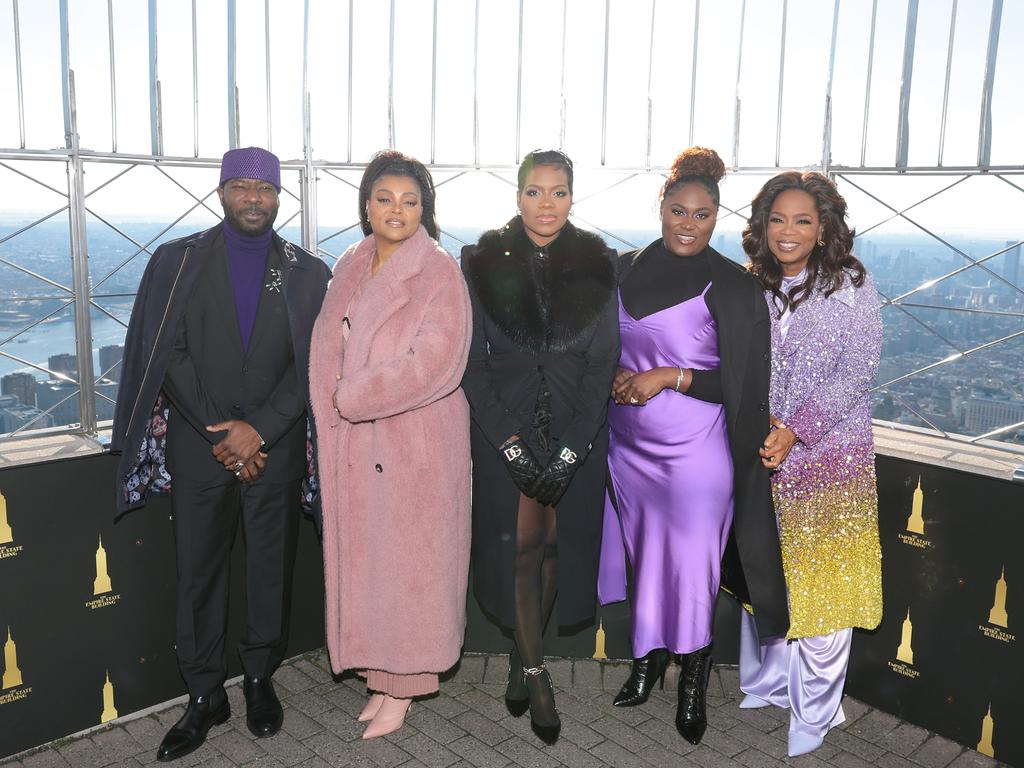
x=251, y=163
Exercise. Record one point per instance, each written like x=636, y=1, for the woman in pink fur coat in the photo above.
x=388, y=352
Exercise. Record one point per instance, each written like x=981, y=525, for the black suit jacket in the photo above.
x=177, y=272
x=752, y=567
x=210, y=378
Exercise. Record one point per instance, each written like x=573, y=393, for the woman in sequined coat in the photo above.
x=826, y=339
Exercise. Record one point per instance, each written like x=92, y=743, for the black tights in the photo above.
x=536, y=577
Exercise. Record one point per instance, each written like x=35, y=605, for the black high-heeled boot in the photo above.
x=645, y=673
x=691, y=712
x=544, y=717
x=517, y=695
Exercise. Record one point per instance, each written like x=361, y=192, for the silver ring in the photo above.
x=633, y=401
x=238, y=472
x=239, y=465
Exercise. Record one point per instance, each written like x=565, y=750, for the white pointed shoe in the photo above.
x=389, y=718
x=371, y=708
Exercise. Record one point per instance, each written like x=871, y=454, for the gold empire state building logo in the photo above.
x=905, y=652
x=599, y=639
x=12, y=675
x=998, y=615
x=987, y=727
x=102, y=581
x=6, y=534
x=915, y=523
x=109, y=710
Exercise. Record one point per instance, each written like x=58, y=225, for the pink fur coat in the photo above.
x=394, y=458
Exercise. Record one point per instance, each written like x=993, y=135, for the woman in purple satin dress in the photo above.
x=687, y=419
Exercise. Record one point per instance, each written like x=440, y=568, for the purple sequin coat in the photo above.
x=825, y=495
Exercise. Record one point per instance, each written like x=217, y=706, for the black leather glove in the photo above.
x=521, y=464
x=555, y=477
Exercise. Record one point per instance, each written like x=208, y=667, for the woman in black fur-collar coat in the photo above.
x=544, y=350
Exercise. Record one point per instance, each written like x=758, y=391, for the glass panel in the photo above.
x=1007, y=105
x=808, y=46
x=966, y=79
x=759, y=83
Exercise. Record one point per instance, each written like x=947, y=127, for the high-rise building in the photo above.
x=20, y=384
x=110, y=362
x=14, y=415
x=64, y=363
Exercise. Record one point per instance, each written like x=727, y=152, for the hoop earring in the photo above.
x=821, y=243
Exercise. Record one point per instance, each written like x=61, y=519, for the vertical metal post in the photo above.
x=307, y=189
x=693, y=67
x=476, y=84
x=826, y=138
x=17, y=69
x=65, y=68
x=156, y=140
x=433, y=85
x=519, y=81
x=80, y=274
x=867, y=83
x=561, y=85
x=307, y=174
x=351, y=46
x=233, y=127
x=903, y=129
x=650, y=79
x=945, y=90
x=195, y=84
x=604, y=88
x=782, y=84
x=79, y=242
x=391, y=76
x=737, y=109
x=266, y=48
x=113, y=80
x=985, y=127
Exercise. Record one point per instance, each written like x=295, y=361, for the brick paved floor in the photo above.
x=467, y=726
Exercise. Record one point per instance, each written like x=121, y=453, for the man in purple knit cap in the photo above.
x=214, y=395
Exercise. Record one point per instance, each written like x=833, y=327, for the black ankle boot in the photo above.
x=517, y=695
x=645, y=673
x=263, y=713
x=691, y=713
x=189, y=733
x=543, y=716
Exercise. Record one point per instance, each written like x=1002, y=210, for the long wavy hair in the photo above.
x=828, y=265
x=391, y=162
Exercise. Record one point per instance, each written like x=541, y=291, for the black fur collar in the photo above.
x=581, y=281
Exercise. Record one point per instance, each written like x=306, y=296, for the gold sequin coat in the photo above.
x=825, y=494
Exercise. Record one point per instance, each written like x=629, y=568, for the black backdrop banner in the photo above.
x=87, y=606
x=948, y=655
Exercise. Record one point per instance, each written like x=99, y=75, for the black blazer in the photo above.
x=752, y=567
x=176, y=273
x=210, y=378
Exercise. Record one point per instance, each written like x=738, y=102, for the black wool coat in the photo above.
x=752, y=566
x=554, y=325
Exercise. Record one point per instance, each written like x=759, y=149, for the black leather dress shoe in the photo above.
x=645, y=673
x=189, y=733
x=263, y=713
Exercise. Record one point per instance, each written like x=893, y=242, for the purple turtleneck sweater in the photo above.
x=247, y=263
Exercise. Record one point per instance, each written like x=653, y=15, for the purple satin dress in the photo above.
x=671, y=473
